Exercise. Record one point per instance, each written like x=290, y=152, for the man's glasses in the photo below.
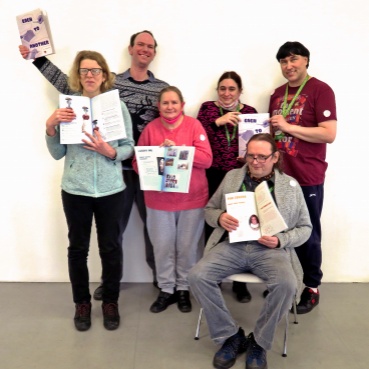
x=94, y=71
x=259, y=158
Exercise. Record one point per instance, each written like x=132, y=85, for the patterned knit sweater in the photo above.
x=141, y=98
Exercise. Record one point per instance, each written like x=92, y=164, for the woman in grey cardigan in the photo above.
x=271, y=258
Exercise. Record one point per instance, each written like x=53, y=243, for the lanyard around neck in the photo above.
x=243, y=188
x=286, y=109
x=229, y=139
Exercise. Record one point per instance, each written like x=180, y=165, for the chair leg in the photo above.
x=295, y=311
x=284, y=354
x=197, y=334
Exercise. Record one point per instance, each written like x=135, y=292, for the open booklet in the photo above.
x=165, y=169
x=249, y=125
x=103, y=113
x=34, y=32
x=256, y=212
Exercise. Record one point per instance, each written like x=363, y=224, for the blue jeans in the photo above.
x=271, y=265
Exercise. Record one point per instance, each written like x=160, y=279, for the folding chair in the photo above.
x=251, y=278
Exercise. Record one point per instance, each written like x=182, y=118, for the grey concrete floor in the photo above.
x=37, y=331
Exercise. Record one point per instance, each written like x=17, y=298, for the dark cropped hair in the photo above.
x=169, y=89
x=74, y=77
x=293, y=48
x=270, y=139
x=133, y=38
x=231, y=75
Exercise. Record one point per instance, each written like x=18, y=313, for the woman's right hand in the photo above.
x=59, y=116
x=231, y=118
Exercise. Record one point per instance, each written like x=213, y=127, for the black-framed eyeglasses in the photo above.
x=94, y=71
x=259, y=158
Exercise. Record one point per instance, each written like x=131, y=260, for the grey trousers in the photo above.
x=175, y=236
x=272, y=265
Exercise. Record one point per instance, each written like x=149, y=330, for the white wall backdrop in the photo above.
x=198, y=41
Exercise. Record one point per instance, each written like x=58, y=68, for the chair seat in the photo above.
x=245, y=277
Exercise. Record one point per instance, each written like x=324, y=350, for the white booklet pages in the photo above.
x=103, y=113
x=166, y=169
x=256, y=212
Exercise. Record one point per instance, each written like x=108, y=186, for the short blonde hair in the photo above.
x=74, y=76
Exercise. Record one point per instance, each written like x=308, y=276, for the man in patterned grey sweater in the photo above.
x=139, y=89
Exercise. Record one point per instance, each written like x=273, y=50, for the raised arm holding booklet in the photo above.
x=34, y=32
x=251, y=124
x=103, y=113
x=256, y=212
x=165, y=169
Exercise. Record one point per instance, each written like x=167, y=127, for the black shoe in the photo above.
x=98, y=293
x=242, y=293
x=256, y=357
x=309, y=299
x=184, y=302
x=111, y=315
x=82, y=317
x=265, y=293
x=233, y=346
x=163, y=301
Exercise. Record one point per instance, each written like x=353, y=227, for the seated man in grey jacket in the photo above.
x=271, y=258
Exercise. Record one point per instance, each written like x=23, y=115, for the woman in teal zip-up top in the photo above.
x=92, y=186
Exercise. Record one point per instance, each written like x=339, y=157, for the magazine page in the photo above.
x=74, y=132
x=271, y=219
x=241, y=205
x=107, y=116
x=251, y=124
x=178, y=162
x=150, y=162
x=34, y=32
x=166, y=169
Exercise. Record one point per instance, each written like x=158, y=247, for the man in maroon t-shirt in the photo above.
x=303, y=117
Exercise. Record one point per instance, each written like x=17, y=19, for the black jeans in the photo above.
x=133, y=193
x=108, y=212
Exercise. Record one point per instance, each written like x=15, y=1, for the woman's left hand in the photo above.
x=97, y=144
x=269, y=241
x=167, y=142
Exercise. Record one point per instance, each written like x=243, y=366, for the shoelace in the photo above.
x=231, y=347
x=83, y=310
x=110, y=309
x=256, y=351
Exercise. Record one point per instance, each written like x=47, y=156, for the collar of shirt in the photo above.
x=127, y=75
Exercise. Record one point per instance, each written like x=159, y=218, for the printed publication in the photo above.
x=102, y=113
x=249, y=125
x=34, y=32
x=256, y=212
x=165, y=169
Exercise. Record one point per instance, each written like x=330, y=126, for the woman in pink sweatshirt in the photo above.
x=175, y=220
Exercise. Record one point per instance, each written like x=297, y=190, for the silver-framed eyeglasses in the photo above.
x=259, y=158
x=94, y=71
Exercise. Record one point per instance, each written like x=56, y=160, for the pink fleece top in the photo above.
x=189, y=133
